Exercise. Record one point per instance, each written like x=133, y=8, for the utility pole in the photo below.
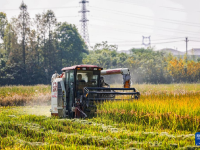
x=186, y=40
x=84, y=20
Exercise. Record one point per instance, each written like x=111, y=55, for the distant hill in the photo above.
x=172, y=51
x=194, y=51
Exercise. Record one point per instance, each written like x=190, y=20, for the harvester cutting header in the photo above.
x=75, y=91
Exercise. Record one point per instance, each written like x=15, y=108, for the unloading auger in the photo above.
x=75, y=92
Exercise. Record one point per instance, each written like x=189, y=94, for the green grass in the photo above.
x=24, y=131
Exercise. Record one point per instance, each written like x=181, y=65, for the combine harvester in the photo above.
x=75, y=92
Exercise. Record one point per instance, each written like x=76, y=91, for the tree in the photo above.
x=10, y=41
x=104, y=45
x=103, y=55
x=3, y=23
x=24, y=27
x=50, y=20
x=31, y=51
x=39, y=31
x=71, y=45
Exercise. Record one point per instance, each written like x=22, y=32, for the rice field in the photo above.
x=24, y=95
x=165, y=117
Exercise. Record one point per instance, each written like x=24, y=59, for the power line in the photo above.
x=142, y=25
x=154, y=43
x=63, y=17
x=151, y=43
x=149, y=17
x=190, y=33
x=131, y=33
x=173, y=8
x=176, y=9
x=168, y=39
x=126, y=41
x=66, y=16
x=150, y=27
x=194, y=41
x=167, y=7
x=168, y=42
x=194, y=37
x=158, y=43
x=41, y=8
x=124, y=31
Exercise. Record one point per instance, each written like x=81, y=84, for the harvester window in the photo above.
x=87, y=79
x=71, y=77
x=80, y=78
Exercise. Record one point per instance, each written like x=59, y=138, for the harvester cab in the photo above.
x=75, y=92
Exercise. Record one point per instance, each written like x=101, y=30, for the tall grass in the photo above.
x=22, y=95
x=161, y=108
x=174, y=107
x=22, y=131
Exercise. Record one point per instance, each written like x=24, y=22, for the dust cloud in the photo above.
x=37, y=110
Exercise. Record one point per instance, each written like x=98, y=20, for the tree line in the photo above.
x=32, y=49
x=146, y=65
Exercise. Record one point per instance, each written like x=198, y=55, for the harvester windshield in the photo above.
x=85, y=78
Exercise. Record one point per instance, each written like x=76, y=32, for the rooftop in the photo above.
x=80, y=66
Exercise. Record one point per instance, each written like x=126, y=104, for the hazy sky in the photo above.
x=124, y=22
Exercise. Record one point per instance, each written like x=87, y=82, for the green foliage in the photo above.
x=3, y=23
x=29, y=48
x=146, y=65
x=14, y=74
x=149, y=66
x=71, y=47
x=104, y=55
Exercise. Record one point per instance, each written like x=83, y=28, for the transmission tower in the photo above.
x=84, y=20
x=144, y=39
